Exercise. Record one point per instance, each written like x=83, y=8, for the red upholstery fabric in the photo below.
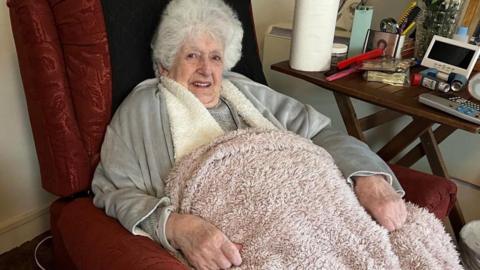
x=65, y=67
x=93, y=241
x=435, y=193
x=61, y=258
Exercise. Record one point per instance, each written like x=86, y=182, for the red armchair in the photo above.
x=78, y=60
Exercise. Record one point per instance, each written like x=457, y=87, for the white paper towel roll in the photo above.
x=313, y=32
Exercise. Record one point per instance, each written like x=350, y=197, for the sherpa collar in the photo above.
x=190, y=122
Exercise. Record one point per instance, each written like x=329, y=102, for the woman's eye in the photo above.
x=192, y=55
x=217, y=58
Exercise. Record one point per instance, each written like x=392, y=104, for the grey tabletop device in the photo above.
x=454, y=105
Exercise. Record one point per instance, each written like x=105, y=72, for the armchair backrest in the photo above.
x=78, y=60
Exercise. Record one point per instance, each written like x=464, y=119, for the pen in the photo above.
x=408, y=30
x=410, y=18
x=342, y=73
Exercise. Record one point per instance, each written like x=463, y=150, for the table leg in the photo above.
x=438, y=167
x=404, y=138
x=417, y=152
x=349, y=116
x=434, y=156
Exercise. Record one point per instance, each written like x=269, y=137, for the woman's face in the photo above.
x=198, y=66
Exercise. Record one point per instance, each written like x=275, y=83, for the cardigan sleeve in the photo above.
x=119, y=186
x=354, y=157
x=128, y=182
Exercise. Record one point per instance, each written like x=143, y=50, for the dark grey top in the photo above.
x=227, y=120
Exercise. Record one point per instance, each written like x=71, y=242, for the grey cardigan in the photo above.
x=137, y=152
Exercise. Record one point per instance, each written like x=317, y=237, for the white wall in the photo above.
x=23, y=203
x=461, y=150
x=266, y=12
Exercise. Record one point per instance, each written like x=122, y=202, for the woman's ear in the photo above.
x=163, y=71
x=160, y=70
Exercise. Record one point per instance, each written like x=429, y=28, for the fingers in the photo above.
x=387, y=224
x=209, y=259
x=399, y=213
x=203, y=244
x=392, y=215
x=402, y=213
x=238, y=246
x=222, y=262
x=232, y=252
x=223, y=258
x=381, y=201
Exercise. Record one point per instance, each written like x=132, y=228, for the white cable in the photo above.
x=36, y=249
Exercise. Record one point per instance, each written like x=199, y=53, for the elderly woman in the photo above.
x=193, y=100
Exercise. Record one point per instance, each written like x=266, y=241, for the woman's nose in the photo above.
x=205, y=67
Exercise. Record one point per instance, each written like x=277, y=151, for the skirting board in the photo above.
x=20, y=229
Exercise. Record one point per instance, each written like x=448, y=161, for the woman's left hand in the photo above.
x=203, y=244
x=381, y=201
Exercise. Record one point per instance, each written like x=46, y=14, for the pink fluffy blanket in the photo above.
x=284, y=199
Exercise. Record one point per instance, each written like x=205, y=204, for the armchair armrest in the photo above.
x=435, y=193
x=94, y=241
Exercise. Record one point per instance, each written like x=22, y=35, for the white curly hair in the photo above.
x=184, y=19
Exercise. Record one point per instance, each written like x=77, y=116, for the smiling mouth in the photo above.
x=202, y=84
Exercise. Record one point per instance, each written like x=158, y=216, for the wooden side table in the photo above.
x=397, y=101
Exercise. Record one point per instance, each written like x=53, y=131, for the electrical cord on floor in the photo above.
x=36, y=249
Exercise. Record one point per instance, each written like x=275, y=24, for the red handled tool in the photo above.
x=357, y=59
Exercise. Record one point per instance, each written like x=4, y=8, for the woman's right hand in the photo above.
x=204, y=246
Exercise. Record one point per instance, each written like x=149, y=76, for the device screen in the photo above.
x=451, y=54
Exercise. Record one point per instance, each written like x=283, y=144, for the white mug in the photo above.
x=474, y=86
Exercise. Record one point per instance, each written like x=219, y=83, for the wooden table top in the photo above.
x=397, y=98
